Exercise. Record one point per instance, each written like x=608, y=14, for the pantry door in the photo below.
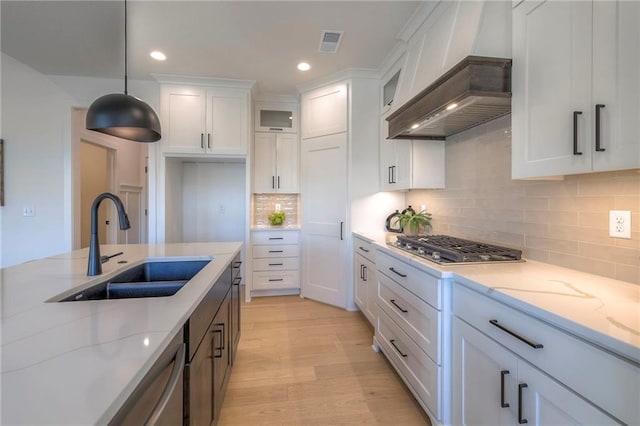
x=324, y=211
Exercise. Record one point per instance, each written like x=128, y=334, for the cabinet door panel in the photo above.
x=479, y=370
x=551, y=80
x=227, y=121
x=200, y=385
x=546, y=402
x=324, y=111
x=264, y=169
x=183, y=124
x=616, y=67
x=287, y=175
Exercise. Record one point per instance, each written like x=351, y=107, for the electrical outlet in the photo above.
x=28, y=211
x=620, y=223
x=278, y=207
x=423, y=207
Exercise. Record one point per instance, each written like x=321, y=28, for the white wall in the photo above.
x=36, y=127
x=39, y=156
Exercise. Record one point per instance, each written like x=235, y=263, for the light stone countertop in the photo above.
x=77, y=362
x=275, y=228
x=601, y=310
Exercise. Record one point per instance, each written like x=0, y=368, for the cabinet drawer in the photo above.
x=276, y=280
x=416, y=318
x=364, y=248
x=420, y=373
x=274, y=237
x=276, y=251
x=425, y=286
x=278, y=264
x=585, y=368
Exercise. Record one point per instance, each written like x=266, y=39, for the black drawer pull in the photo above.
x=398, y=273
x=502, y=374
x=276, y=238
x=271, y=280
x=575, y=132
x=275, y=128
x=275, y=264
x=529, y=342
x=399, y=351
x=520, y=419
x=393, y=301
x=276, y=251
x=599, y=148
x=364, y=249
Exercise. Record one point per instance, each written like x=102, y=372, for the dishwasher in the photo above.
x=158, y=399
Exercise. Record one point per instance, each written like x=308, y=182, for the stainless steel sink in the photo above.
x=149, y=279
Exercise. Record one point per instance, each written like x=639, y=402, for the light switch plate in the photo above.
x=620, y=224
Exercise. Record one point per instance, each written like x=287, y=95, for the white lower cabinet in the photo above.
x=509, y=368
x=365, y=278
x=276, y=260
x=409, y=329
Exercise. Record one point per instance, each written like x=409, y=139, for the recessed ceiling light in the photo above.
x=157, y=55
x=303, y=66
x=451, y=106
x=415, y=126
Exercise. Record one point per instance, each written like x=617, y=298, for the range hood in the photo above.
x=476, y=90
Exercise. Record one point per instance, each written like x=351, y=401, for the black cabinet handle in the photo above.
x=276, y=251
x=520, y=419
x=273, y=280
x=398, y=273
x=598, y=147
x=209, y=140
x=237, y=280
x=364, y=249
x=217, y=348
x=236, y=265
x=393, y=302
x=278, y=182
x=518, y=336
x=575, y=132
x=364, y=273
x=275, y=128
x=273, y=182
x=202, y=140
x=389, y=175
x=276, y=238
x=399, y=351
x=275, y=264
x=502, y=374
x=341, y=234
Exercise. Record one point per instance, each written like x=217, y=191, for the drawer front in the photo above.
x=422, y=375
x=275, y=237
x=276, y=280
x=417, y=319
x=587, y=369
x=276, y=251
x=277, y=264
x=423, y=285
x=364, y=248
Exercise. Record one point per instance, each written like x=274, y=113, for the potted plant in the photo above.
x=414, y=224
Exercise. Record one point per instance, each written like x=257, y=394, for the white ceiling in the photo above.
x=249, y=40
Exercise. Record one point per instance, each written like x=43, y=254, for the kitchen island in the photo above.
x=78, y=362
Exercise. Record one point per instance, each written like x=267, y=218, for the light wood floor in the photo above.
x=300, y=362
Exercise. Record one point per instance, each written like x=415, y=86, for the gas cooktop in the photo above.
x=444, y=249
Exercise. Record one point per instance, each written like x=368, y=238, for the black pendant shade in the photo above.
x=124, y=116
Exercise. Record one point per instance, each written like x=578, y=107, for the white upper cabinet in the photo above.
x=205, y=120
x=325, y=111
x=279, y=117
x=276, y=163
x=576, y=92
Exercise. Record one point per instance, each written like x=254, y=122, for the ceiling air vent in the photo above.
x=330, y=41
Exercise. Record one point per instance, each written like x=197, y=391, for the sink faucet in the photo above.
x=95, y=262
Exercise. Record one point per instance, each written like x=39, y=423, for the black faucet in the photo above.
x=95, y=262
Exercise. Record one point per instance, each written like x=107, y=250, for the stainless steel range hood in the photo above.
x=476, y=90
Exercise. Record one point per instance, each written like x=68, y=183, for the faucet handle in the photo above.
x=105, y=259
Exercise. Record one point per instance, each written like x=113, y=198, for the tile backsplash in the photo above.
x=265, y=204
x=562, y=222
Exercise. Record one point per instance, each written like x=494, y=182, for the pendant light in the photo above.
x=123, y=115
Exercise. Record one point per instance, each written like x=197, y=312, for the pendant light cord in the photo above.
x=125, y=48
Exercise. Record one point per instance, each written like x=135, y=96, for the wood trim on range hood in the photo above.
x=481, y=88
